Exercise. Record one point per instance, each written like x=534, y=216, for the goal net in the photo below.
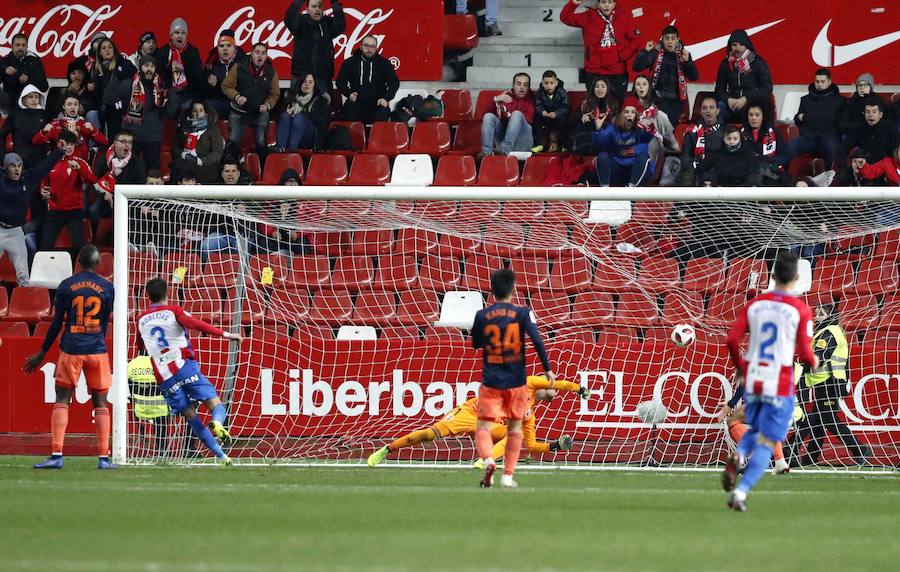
x=351, y=338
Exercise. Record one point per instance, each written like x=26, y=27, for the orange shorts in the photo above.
x=502, y=404
x=95, y=368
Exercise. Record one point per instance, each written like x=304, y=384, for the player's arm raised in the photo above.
x=191, y=323
x=34, y=361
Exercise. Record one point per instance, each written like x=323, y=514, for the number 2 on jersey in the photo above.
x=86, y=310
x=500, y=342
x=769, y=329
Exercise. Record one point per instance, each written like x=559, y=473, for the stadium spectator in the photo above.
x=490, y=15
x=124, y=167
x=369, y=83
x=218, y=235
x=551, y=115
x=283, y=239
x=108, y=70
x=220, y=61
x=143, y=99
x=853, y=116
x=733, y=165
x=624, y=147
x=700, y=140
x=877, y=137
x=509, y=125
x=20, y=69
x=180, y=66
x=252, y=88
x=599, y=102
x=658, y=123
x=65, y=196
x=24, y=123
x=850, y=176
x=70, y=119
x=199, y=142
x=611, y=38
x=146, y=47
x=671, y=67
x=314, y=35
x=17, y=187
x=304, y=123
x=767, y=143
x=888, y=169
x=77, y=86
x=743, y=76
x=818, y=119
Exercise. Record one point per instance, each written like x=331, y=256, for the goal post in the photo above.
x=294, y=267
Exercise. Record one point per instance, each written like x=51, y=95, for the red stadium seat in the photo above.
x=396, y=272
x=651, y=213
x=141, y=268
x=888, y=244
x=165, y=164
x=455, y=171
x=855, y=239
x=4, y=303
x=485, y=103
x=457, y=105
x=254, y=306
x=680, y=130
x=478, y=211
x=582, y=334
x=430, y=138
x=103, y=238
x=637, y=309
x=747, y=274
x=375, y=308
x=704, y=274
x=532, y=273
x=352, y=273
x=551, y=308
x=639, y=235
x=723, y=308
x=248, y=137
x=332, y=307
x=278, y=264
x=498, y=171
x=572, y=273
x=29, y=304
x=277, y=163
x=458, y=246
x=416, y=241
x=617, y=336
x=436, y=210
x=438, y=333
x=331, y=243
x=877, y=275
x=309, y=271
x=682, y=307
x=460, y=32
x=372, y=242
x=658, y=274
x=439, y=273
x=417, y=307
x=357, y=136
x=524, y=211
x=467, y=140
x=253, y=167
x=169, y=133
x=595, y=238
x=858, y=312
x=478, y=271
x=288, y=306
x=506, y=240
x=220, y=270
x=575, y=99
x=205, y=304
x=614, y=273
x=327, y=170
x=536, y=169
x=186, y=267
x=388, y=138
x=105, y=268
x=832, y=275
x=307, y=332
x=593, y=309
x=890, y=316
x=13, y=330
x=370, y=170
x=545, y=241
x=7, y=270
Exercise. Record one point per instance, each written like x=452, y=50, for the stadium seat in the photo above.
x=416, y=241
x=583, y=334
x=460, y=32
x=375, y=308
x=307, y=332
x=440, y=333
x=506, y=240
x=330, y=243
x=595, y=238
x=858, y=312
x=680, y=130
x=13, y=330
x=832, y=275
x=436, y=210
x=29, y=304
x=544, y=240
x=877, y=275
x=7, y=270
x=888, y=244
x=103, y=238
x=524, y=211
x=278, y=264
x=417, y=307
x=651, y=213
x=142, y=267
x=4, y=303
x=575, y=100
x=532, y=273
x=253, y=166
x=890, y=316
x=253, y=310
x=288, y=306
x=276, y=163
x=455, y=171
x=551, y=308
x=388, y=138
x=352, y=273
x=220, y=270
x=400, y=333
x=467, y=140
x=64, y=240
x=457, y=105
x=310, y=271
x=658, y=274
x=788, y=131
x=370, y=170
x=801, y=166
x=479, y=211
x=248, y=137
x=617, y=336
x=747, y=274
x=637, y=309
x=372, y=242
x=723, y=308
x=357, y=136
x=439, y=273
x=50, y=268
x=331, y=307
x=430, y=138
x=593, y=309
x=412, y=170
x=326, y=170
x=790, y=104
x=478, y=270
x=536, y=169
x=205, y=303
x=682, y=307
x=180, y=268
x=396, y=272
x=498, y=171
x=855, y=239
x=169, y=133
x=485, y=103
x=614, y=273
x=105, y=267
x=698, y=100
x=572, y=273
x=458, y=246
x=638, y=235
x=704, y=274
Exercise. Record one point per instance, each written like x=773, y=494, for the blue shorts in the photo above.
x=770, y=416
x=187, y=385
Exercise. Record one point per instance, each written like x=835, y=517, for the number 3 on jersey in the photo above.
x=160, y=334
x=505, y=345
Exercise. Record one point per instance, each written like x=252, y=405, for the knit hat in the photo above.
x=178, y=24
x=227, y=35
x=99, y=36
x=866, y=78
x=632, y=101
x=11, y=159
x=146, y=37
x=146, y=58
x=289, y=174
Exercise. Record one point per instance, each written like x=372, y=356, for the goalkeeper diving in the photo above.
x=463, y=420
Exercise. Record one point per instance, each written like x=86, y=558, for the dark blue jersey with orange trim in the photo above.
x=85, y=301
x=500, y=331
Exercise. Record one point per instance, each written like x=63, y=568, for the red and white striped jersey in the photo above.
x=780, y=326
x=162, y=331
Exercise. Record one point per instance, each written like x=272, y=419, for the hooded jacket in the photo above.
x=15, y=196
x=755, y=83
x=30, y=66
x=24, y=123
x=372, y=79
x=313, y=41
x=821, y=111
x=604, y=60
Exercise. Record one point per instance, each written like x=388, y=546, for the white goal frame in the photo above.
x=125, y=193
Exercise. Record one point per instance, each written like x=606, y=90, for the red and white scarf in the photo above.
x=609, y=33
x=113, y=163
x=702, y=132
x=134, y=113
x=769, y=140
x=179, y=78
x=657, y=69
x=741, y=63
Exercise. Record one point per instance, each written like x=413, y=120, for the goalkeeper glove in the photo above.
x=584, y=392
x=564, y=443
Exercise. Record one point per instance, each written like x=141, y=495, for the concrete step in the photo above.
x=532, y=14
x=527, y=48
x=502, y=76
x=556, y=5
x=529, y=44
x=539, y=30
x=538, y=59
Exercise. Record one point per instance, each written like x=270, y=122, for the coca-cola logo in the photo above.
x=63, y=31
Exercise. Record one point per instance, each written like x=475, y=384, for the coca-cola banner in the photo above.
x=60, y=31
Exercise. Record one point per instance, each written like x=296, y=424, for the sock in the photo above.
x=483, y=442
x=59, y=419
x=411, y=439
x=513, y=449
x=778, y=453
x=218, y=413
x=204, y=435
x=756, y=466
x=747, y=443
x=101, y=426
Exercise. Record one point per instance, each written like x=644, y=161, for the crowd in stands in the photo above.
x=181, y=114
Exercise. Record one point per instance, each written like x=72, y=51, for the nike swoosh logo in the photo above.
x=706, y=47
x=826, y=54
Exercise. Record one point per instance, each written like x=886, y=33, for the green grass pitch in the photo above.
x=245, y=519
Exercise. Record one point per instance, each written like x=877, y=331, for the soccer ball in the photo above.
x=652, y=412
x=683, y=335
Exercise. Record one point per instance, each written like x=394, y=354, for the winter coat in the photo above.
x=755, y=83
x=215, y=67
x=877, y=141
x=853, y=115
x=847, y=178
x=724, y=168
x=209, y=150
x=371, y=79
x=15, y=196
x=557, y=102
x=889, y=168
x=689, y=147
x=313, y=41
x=240, y=81
x=821, y=111
x=150, y=128
x=30, y=66
x=318, y=111
x=24, y=123
x=624, y=146
x=612, y=60
x=103, y=77
x=193, y=69
x=667, y=84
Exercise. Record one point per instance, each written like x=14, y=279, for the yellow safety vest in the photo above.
x=836, y=365
x=145, y=398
